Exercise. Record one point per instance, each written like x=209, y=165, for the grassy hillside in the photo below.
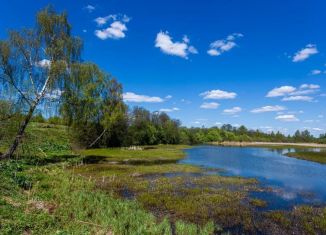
x=41, y=140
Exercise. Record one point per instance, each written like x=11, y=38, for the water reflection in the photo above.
x=292, y=181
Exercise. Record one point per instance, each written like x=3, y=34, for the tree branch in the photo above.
x=11, y=82
x=97, y=139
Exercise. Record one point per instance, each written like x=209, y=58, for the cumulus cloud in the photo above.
x=298, y=98
x=316, y=72
x=281, y=91
x=317, y=129
x=89, y=8
x=287, y=118
x=268, y=108
x=305, y=53
x=211, y=105
x=309, y=86
x=164, y=110
x=117, y=28
x=218, y=95
x=132, y=97
x=182, y=49
x=291, y=93
x=115, y=31
x=100, y=21
x=232, y=111
x=218, y=47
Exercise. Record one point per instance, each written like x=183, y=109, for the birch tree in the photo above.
x=35, y=63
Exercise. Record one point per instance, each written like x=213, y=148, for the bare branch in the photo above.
x=12, y=83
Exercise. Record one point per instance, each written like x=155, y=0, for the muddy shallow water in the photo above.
x=291, y=181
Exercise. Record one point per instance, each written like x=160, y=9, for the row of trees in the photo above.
x=42, y=66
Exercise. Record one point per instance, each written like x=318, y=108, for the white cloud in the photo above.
x=103, y=20
x=115, y=31
x=291, y=93
x=169, y=110
x=84, y=30
x=213, y=52
x=305, y=53
x=309, y=86
x=168, y=97
x=281, y=91
x=218, y=47
x=211, y=105
x=218, y=95
x=54, y=94
x=90, y=8
x=43, y=63
x=287, y=118
x=167, y=46
x=192, y=50
x=320, y=116
x=132, y=97
x=232, y=111
x=317, y=129
x=298, y=98
x=316, y=72
x=268, y=108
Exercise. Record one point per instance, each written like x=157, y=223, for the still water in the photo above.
x=291, y=181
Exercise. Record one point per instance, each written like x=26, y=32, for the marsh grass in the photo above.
x=62, y=203
x=319, y=157
x=176, y=191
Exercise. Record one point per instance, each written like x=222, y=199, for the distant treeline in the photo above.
x=141, y=127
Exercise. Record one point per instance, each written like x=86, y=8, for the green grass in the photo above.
x=319, y=157
x=63, y=203
x=50, y=189
x=42, y=140
x=150, y=154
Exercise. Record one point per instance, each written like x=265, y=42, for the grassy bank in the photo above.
x=319, y=157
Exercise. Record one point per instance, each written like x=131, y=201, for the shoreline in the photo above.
x=268, y=144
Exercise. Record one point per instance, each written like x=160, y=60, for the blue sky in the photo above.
x=252, y=62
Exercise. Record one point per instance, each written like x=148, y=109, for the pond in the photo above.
x=290, y=181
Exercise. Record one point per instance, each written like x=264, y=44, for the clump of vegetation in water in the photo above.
x=319, y=157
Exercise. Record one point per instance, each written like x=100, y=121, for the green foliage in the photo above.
x=55, y=120
x=93, y=105
x=38, y=118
